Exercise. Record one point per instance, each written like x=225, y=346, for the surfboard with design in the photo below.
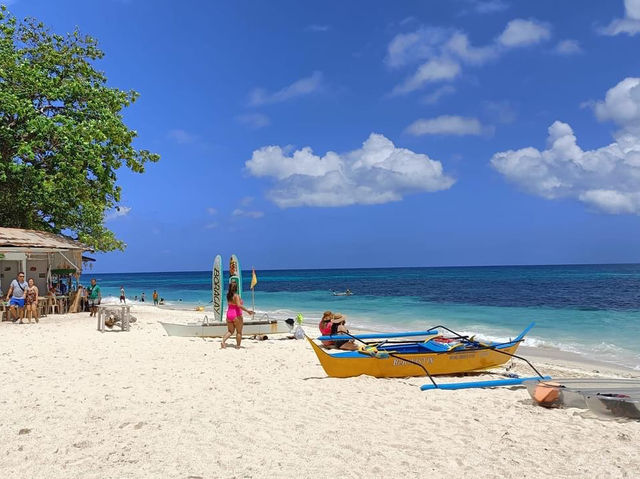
x=235, y=273
x=217, y=287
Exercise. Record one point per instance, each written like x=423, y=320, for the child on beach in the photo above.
x=234, y=315
x=155, y=297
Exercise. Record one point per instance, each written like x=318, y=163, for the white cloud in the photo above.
x=483, y=6
x=446, y=125
x=435, y=96
x=376, y=173
x=607, y=178
x=519, y=33
x=246, y=201
x=407, y=20
x=488, y=6
x=611, y=201
x=302, y=87
x=318, y=28
x=432, y=71
x=500, y=111
x=182, y=136
x=406, y=48
x=630, y=24
x=210, y=226
x=212, y=211
x=443, y=51
x=459, y=46
x=254, y=120
x=247, y=214
x=117, y=212
x=568, y=47
x=622, y=105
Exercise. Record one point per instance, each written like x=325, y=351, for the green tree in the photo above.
x=62, y=135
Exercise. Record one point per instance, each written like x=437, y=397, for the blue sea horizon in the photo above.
x=593, y=310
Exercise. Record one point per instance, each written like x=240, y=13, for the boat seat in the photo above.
x=350, y=354
x=432, y=346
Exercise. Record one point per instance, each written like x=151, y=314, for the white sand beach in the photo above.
x=77, y=403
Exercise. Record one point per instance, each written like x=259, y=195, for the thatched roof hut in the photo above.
x=19, y=239
x=39, y=254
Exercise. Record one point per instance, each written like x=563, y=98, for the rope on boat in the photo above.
x=394, y=355
x=464, y=338
x=494, y=347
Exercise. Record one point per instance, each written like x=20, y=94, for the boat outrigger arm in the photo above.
x=430, y=333
x=494, y=383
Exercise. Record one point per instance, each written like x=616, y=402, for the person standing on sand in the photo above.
x=16, y=292
x=94, y=297
x=123, y=298
x=31, y=301
x=234, y=315
x=155, y=297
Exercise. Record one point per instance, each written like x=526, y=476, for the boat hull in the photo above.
x=608, y=407
x=217, y=330
x=437, y=363
x=573, y=392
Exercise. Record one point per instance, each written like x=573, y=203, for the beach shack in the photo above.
x=42, y=256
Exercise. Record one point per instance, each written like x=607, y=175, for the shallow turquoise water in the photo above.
x=590, y=309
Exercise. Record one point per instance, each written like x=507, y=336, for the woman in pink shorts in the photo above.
x=234, y=315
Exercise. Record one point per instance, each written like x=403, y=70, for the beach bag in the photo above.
x=298, y=333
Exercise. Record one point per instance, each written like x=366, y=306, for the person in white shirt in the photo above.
x=16, y=292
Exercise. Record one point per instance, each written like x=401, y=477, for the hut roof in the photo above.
x=19, y=238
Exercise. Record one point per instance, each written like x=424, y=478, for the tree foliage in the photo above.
x=62, y=135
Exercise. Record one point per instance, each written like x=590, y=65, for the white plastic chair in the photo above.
x=53, y=306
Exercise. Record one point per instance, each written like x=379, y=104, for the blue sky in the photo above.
x=373, y=133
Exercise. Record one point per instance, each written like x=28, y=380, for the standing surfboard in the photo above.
x=217, y=286
x=235, y=273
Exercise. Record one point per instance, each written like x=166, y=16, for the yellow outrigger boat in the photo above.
x=431, y=357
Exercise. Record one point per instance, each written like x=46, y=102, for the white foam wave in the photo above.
x=606, y=352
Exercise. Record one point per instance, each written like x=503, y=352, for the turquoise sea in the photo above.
x=592, y=310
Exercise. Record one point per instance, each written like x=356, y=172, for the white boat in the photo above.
x=620, y=405
x=216, y=329
x=346, y=293
x=572, y=392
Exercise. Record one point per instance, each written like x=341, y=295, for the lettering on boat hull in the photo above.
x=401, y=362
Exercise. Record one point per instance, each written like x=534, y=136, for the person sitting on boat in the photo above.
x=338, y=327
x=348, y=292
x=325, y=328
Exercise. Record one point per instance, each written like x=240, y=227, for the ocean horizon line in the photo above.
x=352, y=268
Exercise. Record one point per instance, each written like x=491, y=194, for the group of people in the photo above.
x=330, y=324
x=156, y=299
x=335, y=324
x=22, y=298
